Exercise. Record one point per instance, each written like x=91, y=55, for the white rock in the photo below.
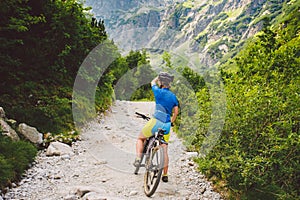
x=65, y=157
x=132, y=193
x=58, y=149
x=30, y=133
x=94, y=196
x=8, y=131
x=82, y=190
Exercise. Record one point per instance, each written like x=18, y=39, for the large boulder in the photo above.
x=8, y=131
x=59, y=149
x=30, y=133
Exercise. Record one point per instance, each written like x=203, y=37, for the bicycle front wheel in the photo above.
x=154, y=168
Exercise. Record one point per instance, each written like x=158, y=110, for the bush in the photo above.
x=6, y=171
x=14, y=159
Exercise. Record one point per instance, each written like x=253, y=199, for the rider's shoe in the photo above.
x=165, y=178
x=137, y=162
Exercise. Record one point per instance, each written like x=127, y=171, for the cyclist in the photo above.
x=166, y=111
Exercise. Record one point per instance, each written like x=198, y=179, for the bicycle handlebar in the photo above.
x=142, y=116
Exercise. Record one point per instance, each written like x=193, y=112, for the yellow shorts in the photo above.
x=153, y=125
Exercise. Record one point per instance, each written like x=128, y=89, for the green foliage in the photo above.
x=189, y=89
x=134, y=84
x=167, y=59
x=143, y=73
x=45, y=42
x=195, y=80
x=14, y=159
x=258, y=153
x=67, y=138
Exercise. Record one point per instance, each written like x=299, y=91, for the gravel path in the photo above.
x=101, y=166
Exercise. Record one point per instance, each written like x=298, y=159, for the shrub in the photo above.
x=15, y=157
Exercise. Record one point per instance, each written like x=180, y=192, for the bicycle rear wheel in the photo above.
x=154, y=168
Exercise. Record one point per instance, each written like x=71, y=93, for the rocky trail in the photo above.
x=99, y=166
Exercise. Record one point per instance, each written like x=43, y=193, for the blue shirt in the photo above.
x=165, y=102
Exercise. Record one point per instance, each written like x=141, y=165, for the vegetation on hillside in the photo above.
x=257, y=155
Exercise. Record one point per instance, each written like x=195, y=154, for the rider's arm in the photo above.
x=175, y=113
x=154, y=81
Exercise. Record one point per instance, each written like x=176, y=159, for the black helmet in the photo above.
x=165, y=78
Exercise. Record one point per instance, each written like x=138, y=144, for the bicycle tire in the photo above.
x=154, y=167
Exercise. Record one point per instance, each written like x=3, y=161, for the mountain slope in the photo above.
x=118, y=13
x=214, y=27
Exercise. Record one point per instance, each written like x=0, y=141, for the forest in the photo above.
x=44, y=42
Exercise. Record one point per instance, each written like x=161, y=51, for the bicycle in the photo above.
x=154, y=159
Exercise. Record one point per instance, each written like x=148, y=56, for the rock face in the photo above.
x=122, y=17
x=212, y=28
x=136, y=12
x=30, y=133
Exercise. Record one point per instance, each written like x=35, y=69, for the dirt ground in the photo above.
x=101, y=167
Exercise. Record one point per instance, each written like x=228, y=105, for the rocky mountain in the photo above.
x=215, y=29
x=120, y=12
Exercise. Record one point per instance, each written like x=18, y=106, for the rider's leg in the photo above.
x=146, y=132
x=166, y=160
x=140, y=145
